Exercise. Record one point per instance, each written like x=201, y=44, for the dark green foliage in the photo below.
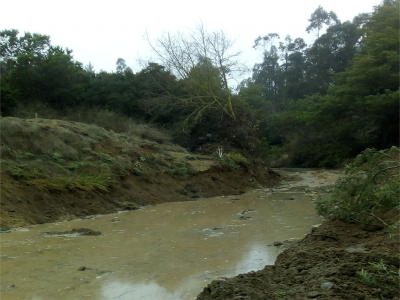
x=320, y=17
x=312, y=105
x=369, y=188
x=385, y=277
x=352, y=79
x=33, y=70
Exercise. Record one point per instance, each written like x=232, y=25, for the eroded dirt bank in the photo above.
x=326, y=264
x=54, y=169
x=22, y=204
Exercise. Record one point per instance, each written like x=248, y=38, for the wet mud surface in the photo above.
x=165, y=251
x=324, y=265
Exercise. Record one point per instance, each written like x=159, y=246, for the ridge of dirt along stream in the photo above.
x=174, y=250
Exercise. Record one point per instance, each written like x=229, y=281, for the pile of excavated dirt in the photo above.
x=326, y=264
x=41, y=183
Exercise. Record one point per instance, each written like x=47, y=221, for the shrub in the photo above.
x=233, y=159
x=379, y=274
x=236, y=158
x=369, y=188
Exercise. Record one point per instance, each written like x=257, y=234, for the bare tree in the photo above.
x=206, y=64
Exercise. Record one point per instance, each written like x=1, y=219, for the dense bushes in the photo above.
x=369, y=189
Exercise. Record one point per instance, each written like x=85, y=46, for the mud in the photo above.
x=326, y=264
x=166, y=251
x=322, y=266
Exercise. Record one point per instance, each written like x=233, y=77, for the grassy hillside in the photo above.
x=60, y=155
x=53, y=168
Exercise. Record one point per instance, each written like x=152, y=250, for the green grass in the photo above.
x=379, y=274
x=62, y=155
x=101, y=183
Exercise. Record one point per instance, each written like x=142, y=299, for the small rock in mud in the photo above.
x=278, y=243
x=194, y=212
x=326, y=285
x=290, y=198
x=74, y=232
x=101, y=274
x=357, y=249
x=83, y=269
x=372, y=226
x=244, y=218
x=245, y=211
x=9, y=288
x=313, y=294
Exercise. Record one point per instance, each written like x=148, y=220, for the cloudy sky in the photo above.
x=101, y=31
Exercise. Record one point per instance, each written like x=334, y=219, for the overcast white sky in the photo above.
x=101, y=31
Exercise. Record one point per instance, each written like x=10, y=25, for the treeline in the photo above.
x=315, y=105
x=332, y=100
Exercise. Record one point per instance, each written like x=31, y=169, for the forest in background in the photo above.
x=304, y=105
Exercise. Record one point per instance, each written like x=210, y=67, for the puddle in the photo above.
x=168, y=251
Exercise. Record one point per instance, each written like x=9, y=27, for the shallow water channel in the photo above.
x=167, y=251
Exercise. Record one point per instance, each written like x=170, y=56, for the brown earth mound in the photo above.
x=335, y=261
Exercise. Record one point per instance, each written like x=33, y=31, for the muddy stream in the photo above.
x=167, y=251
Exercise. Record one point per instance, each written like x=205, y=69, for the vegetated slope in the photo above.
x=52, y=169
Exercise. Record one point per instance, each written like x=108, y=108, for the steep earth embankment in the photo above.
x=53, y=169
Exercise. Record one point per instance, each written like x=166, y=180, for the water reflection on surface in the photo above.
x=142, y=291
x=256, y=258
x=168, y=251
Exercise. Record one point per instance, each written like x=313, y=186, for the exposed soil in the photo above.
x=137, y=168
x=22, y=204
x=324, y=265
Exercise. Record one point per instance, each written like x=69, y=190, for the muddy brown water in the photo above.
x=167, y=251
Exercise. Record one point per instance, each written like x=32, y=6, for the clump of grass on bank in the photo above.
x=63, y=155
x=232, y=159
